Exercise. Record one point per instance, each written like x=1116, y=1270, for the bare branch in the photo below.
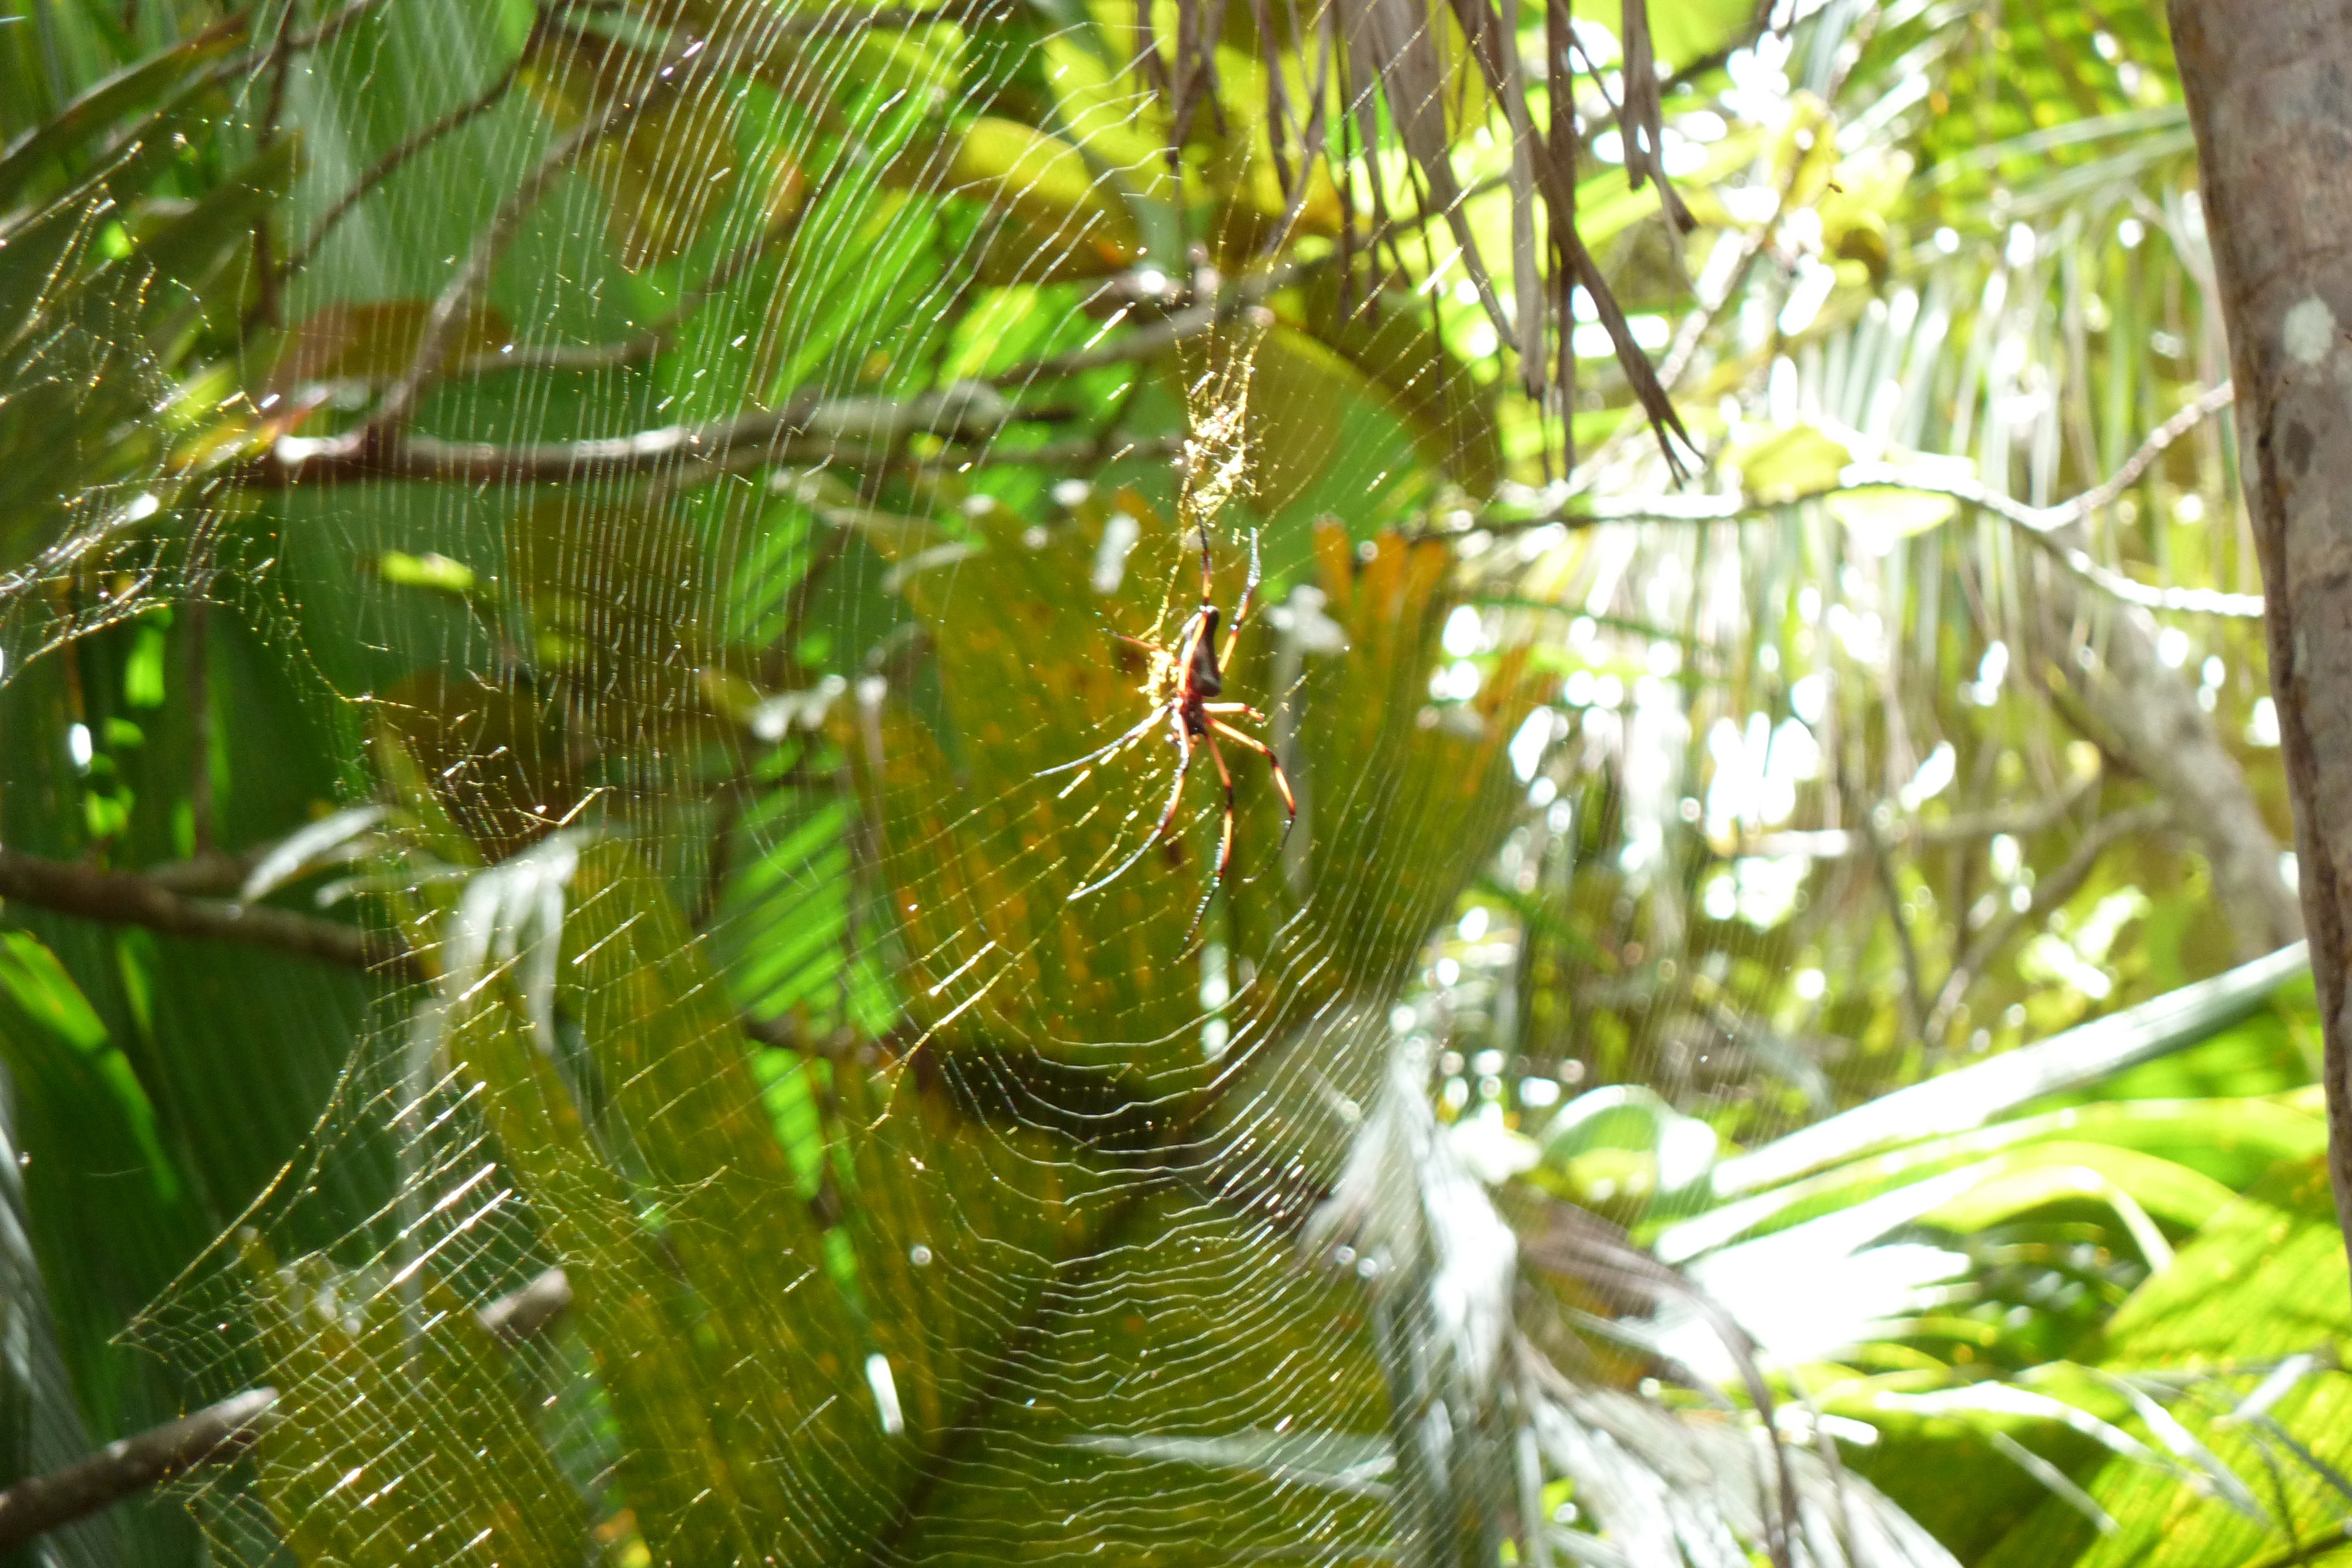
x=2049, y=893
x=392, y=161
x=125, y=898
x=2052, y=529
x=41, y=1504
x=1159, y=336
x=209, y=873
x=1906, y=947
x=804, y=431
x=2056, y=530
x=217, y=1432
x=459, y=298
x=1840, y=844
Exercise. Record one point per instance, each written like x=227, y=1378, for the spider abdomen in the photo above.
x=1203, y=679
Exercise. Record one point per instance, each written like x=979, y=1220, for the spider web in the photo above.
x=785, y=1147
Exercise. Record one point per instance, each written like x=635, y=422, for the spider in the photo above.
x=1180, y=680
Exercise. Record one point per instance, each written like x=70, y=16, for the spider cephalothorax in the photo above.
x=1179, y=683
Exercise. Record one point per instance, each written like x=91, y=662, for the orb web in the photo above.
x=783, y=1144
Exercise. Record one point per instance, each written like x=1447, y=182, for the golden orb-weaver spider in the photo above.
x=1180, y=680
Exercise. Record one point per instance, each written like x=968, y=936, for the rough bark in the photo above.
x=2269, y=95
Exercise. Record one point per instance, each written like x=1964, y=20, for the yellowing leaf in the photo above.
x=1682, y=31
x=1786, y=462
x=1450, y=414
x=1881, y=513
x=1061, y=220
x=1120, y=127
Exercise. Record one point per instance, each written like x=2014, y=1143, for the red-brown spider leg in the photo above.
x=1242, y=610
x=1175, y=799
x=1243, y=709
x=1224, y=838
x=1225, y=778
x=1281, y=779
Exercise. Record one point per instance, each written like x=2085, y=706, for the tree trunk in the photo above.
x=2270, y=93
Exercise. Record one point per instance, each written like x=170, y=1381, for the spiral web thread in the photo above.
x=779, y=1164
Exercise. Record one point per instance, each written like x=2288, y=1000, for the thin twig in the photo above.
x=2049, y=893
x=281, y=65
x=459, y=298
x=1838, y=843
x=1915, y=999
x=390, y=162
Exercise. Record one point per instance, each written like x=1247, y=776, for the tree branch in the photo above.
x=855, y=430
x=459, y=299
x=1840, y=844
x=804, y=430
x=126, y=898
x=1906, y=947
x=2051, y=528
x=390, y=162
x=2049, y=893
x=221, y=1431
x=217, y=1432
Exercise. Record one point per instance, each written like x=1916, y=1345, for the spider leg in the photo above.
x=1281, y=779
x=1175, y=799
x=1224, y=838
x=1086, y=764
x=1242, y=610
x=1105, y=753
x=1243, y=709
